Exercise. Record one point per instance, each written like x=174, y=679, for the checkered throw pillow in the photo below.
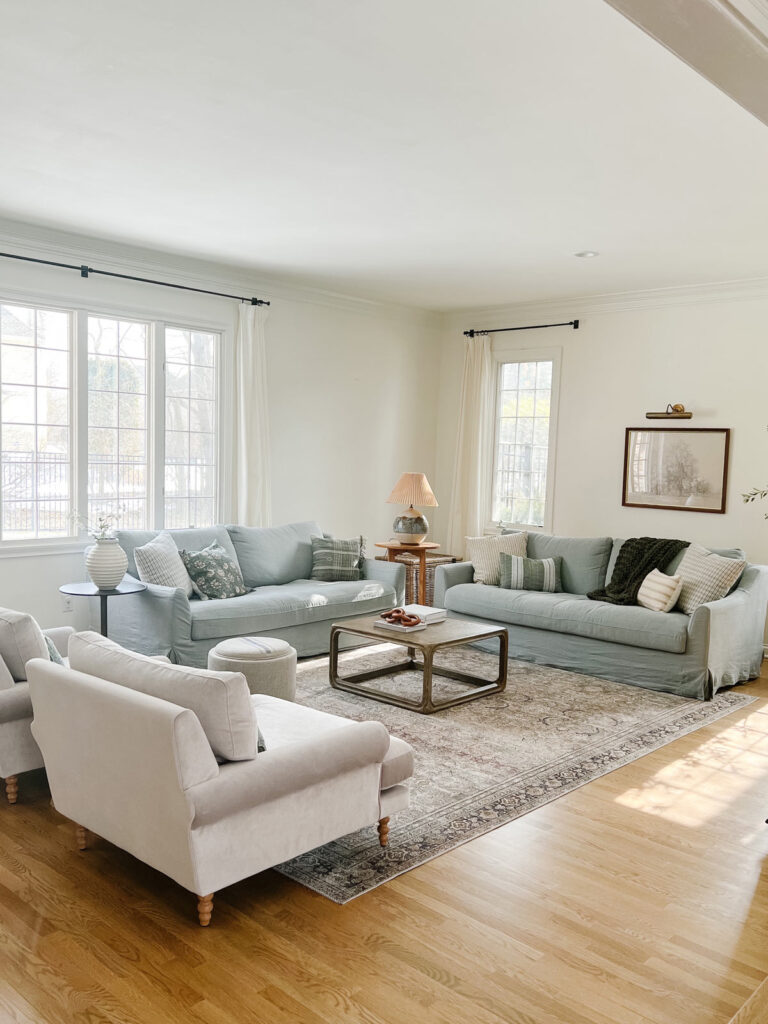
x=706, y=577
x=542, y=574
x=336, y=560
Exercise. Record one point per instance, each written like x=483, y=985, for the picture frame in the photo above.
x=681, y=469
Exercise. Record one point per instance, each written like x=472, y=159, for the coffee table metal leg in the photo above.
x=334, y=656
x=426, y=698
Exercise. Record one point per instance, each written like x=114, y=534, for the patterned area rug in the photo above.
x=488, y=762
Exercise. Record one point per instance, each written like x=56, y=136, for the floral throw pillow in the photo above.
x=214, y=573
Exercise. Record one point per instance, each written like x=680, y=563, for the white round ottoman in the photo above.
x=269, y=665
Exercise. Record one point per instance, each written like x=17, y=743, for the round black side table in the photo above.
x=91, y=590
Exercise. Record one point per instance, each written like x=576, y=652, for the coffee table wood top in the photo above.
x=438, y=634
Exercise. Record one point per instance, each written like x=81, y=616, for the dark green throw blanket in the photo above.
x=637, y=557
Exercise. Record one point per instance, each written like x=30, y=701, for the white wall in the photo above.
x=351, y=404
x=704, y=347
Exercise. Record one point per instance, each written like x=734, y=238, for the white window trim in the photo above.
x=505, y=352
x=158, y=320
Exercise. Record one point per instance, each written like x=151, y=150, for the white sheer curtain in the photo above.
x=252, y=495
x=470, y=498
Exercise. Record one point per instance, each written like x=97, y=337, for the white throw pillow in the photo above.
x=484, y=552
x=706, y=576
x=659, y=592
x=159, y=562
x=221, y=700
x=20, y=639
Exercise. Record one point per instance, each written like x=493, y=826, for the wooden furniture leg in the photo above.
x=12, y=788
x=422, y=576
x=81, y=834
x=205, y=909
x=383, y=829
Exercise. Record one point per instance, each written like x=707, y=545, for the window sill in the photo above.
x=42, y=548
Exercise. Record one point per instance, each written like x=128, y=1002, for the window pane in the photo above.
x=35, y=463
x=190, y=424
x=118, y=457
x=520, y=470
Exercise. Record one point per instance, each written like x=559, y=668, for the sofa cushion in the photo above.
x=220, y=700
x=574, y=614
x=297, y=724
x=292, y=604
x=585, y=559
x=273, y=555
x=20, y=639
x=193, y=539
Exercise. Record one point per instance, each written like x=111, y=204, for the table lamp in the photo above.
x=411, y=527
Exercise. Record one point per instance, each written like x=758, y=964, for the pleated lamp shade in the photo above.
x=412, y=489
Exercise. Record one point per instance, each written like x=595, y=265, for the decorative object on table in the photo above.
x=268, y=664
x=551, y=732
x=91, y=590
x=411, y=526
x=105, y=561
x=484, y=554
x=706, y=577
x=336, y=561
x=672, y=412
x=400, y=621
x=542, y=574
x=214, y=573
x=636, y=558
x=394, y=548
x=756, y=494
x=428, y=614
x=683, y=469
x=412, y=563
x=659, y=592
x=440, y=636
x=160, y=563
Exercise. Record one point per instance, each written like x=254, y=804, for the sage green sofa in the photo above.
x=690, y=655
x=283, y=601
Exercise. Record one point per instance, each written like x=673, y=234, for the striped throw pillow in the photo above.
x=484, y=554
x=541, y=574
x=706, y=577
x=659, y=592
x=336, y=560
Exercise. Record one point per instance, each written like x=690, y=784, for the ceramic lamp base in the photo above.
x=410, y=527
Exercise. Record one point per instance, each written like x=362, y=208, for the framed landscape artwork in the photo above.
x=679, y=468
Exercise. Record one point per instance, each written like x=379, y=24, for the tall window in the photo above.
x=524, y=403
x=82, y=422
x=35, y=434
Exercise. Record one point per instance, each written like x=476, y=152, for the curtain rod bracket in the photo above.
x=83, y=271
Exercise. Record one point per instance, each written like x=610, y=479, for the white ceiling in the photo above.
x=437, y=153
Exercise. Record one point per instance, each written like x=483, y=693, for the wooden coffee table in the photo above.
x=451, y=633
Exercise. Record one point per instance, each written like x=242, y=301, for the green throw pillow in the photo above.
x=518, y=573
x=336, y=560
x=214, y=573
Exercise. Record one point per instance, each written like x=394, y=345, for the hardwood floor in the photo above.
x=641, y=898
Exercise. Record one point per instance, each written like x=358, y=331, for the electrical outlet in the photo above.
x=66, y=603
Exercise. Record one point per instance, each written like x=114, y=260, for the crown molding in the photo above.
x=582, y=306
x=68, y=247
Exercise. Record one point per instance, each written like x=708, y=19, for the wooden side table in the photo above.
x=394, y=548
x=91, y=590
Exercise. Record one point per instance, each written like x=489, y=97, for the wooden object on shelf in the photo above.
x=395, y=548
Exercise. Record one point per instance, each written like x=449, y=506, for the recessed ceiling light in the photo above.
x=588, y=254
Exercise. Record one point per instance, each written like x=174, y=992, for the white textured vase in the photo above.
x=106, y=563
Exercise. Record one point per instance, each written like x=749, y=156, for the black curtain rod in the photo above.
x=533, y=327
x=87, y=271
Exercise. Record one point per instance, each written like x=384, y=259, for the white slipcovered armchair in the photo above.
x=20, y=640
x=146, y=773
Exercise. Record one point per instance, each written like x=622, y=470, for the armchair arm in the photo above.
x=447, y=576
x=15, y=703
x=736, y=626
x=392, y=573
x=60, y=636
x=151, y=621
x=287, y=769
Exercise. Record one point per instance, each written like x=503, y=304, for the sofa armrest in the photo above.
x=287, y=769
x=15, y=703
x=60, y=636
x=392, y=573
x=736, y=626
x=447, y=576
x=151, y=621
